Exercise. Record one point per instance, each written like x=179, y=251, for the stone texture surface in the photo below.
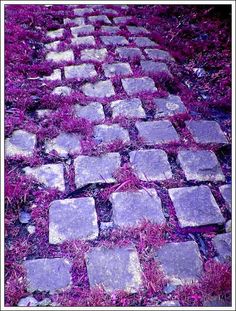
x=170, y=303
x=110, y=29
x=57, y=57
x=114, y=269
x=77, y=20
x=129, y=53
x=195, y=206
x=117, y=69
x=226, y=192
x=133, y=86
x=21, y=143
x=136, y=30
x=157, y=54
x=129, y=108
x=92, y=112
x=110, y=133
x=223, y=246
x=99, y=89
x=99, y=18
x=28, y=301
x=122, y=20
x=86, y=41
x=52, y=46
x=150, y=165
x=143, y=41
x=56, y=75
x=83, y=71
x=169, y=106
x=72, y=219
x=62, y=90
x=114, y=40
x=82, y=30
x=82, y=12
x=55, y=33
x=98, y=55
x=150, y=67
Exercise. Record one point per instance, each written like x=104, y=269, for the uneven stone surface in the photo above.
x=195, y=206
x=92, y=112
x=99, y=18
x=99, y=89
x=143, y=41
x=114, y=40
x=110, y=133
x=53, y=45
x=169, y=106
x=83, y=71
x=133, y=86
x=77, y=20
x=110, y=29
x=56, y=75
x=72, y=219
x=114, y=269
x=21, y=143
x=136, y=30
x=117, y=69
x=62, y=90
x=86, y=41
x=81, y=12
x=129, y=108
x=129, y=53
x=157, y=54
x=223, y=246
x=226, y=192
x=41, y=113
x=57, y=57
x=98, y=55
x=154, y=68
x=53, y=34
x=150, y=165
x=82, y=29
x=28, y=301
x=122, y=20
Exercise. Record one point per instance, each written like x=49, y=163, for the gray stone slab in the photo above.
x=128, y=108
x=50, y=175
x=201, y=165
x=157, y=132
x=205, y=132
x=57, y=57
x=99, y=89
x=72, y=219
x=117, y=69
x=109, y=11
x=114, y=40
x=169, y=106
x=154, y=68
x=53, y=45
x=79, y=72
x=121, y=20
x=137, y=30
x=62, y=90
x=114, y=269
x=98, y=55
x=223, y=246
x=48, y=274
x=82, y=30
x=28, y=301
x=170, y=303
x=195, y=206
x=86, y=41
x=181, y=262
x=150, y=165
x=110, y=29
x=143, y=41
x=55, y=75
x=130, y=208
x=81, y=12
x=55, y=33
x=92, y=112
x=77, y=20
x=157, y=54
x=129, y=53
x=96, y=169
x=226, y=192
x=110, y=133
x=21, y=143
x=133, y=86
x=99, y=18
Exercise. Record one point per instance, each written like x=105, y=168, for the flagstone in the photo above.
x=143, y=41
x=114, y=40
x=83, y=71
x=226, y=192
x=55, y=33
x=98, y=55
x=77, y=20
x=57, y=57
x=82, y=29
x=99, y=18
x=128, y=108
x=21, y=143
x=86, y=41
x=157, y=54
x=110, y=133
x=117, y=69
x=92, y=112
x=133, y=86
x=99, y=89
x=129, y=53
x=110, y=29
x=137, y=30
x=169, y=106
x=223, y=245
x=154, y=68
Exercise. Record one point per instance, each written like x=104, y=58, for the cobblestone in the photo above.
x=128, y=108
x=83, y=71
x=92, y=112
x=110, y=133
x=99, y=89
x=135, y=86
x=117, y=69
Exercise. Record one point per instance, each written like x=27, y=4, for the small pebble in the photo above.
x=24, y=217
x=31, y=229
x=27, y=302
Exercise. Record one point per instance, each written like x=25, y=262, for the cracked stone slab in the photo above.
x=157, y=132
x=150, y=165
x=53, y=46
x=195, y=206
x=223, y=246
x=55, y=75
x=96, y=169
x=156, y=54
x=77, y=20
x=21, y=143
x=226, y=192
x=82, y=29
x=121, y=20
x=128, y=108
x=79, y=72
x=92, y=112
x=50, y=175
x=117, y=69
x=205, y=132
x=64, y=144
x=181, y=262
x=110, y=133
x=99, y=89
x=47, y=274
x=57, y=57
x=81, y=12
x=169, y=106
x=86, y=40
x=130, y=208
x=154, y=68
x=201, y=165
x=129, y=53
x=133, y=86
x=110, y=29
x=62, y=90
x=72, y=219
x=143, y=41
x=137, y=30
x=114, y=269
x=99, y=18
x=114, y=40
x=98, y=55
x=53, y=34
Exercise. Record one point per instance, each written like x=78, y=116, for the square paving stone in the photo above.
x=86, y=40
x=114, y=269
x=56, y=75
x=81, y=12
x=77, y=20
x=122, y=20
x=109, y=11
x=130, y=208
x=62, y=90
x=223, y=246
x=201, y=165
x=226, y=191
x=110, y=133
x=128, y=108
x=72, y=219
x=150, y=165
x=169, y=106
x=154, y=68
x=205, y=132
x=98, y=55
x=195, y=206
x=133, y=86
x=136, y=30
x=83, y=71
x=83, y=29
x=55, y=33
x=21, y=143
x=143, y=41
x=110, y=29
x=96, y=169
x=99, y=89
x=114, y=40
x=157, y=54
x=117, y=69
x=47, y=274
x=157, y=132
x=129, y=53
x=51, y=175
x=57, y=57
x=181, y=262
x=99, y=18
x=53, y=45
x=92, y=112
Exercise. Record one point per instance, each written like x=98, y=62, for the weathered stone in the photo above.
x=169, y=106
x=51, y=175
x=77, y=20
x=57, y=57
x=136, y=30
x=81, y=12
x=106, y=225
x=82, y=29
x=96, y=169
x=24, y=217
x=28, y=301
x=133, y=86
x=157, y=54
x=45, y=302
x=64, y=144
x=83, y=71
x=56, y=75
x=170, y=303
x=223, y=246
x=114, y=40
x=128, y=108
x=98, y=55
x=41, y=113
x=55, y=33
x=195, y=206
x=228, y=226
x=110, y=29
x=114, y=269
x=109, y=11
x=62, y=90
x=99, y=18
x=92, y=112
x=99, y=89
x=201, y=165
x=122, y=20
x=154, y=68
x=110, y=133
x=72, y=219
x=21, y=143
x=31, y=229
x=181, y=262
x=129, y=53
x=47, y=274
x=117, y=69
x=157, y=132
x=130, y=208
x=53, y=45
x=205, y=132
x=150, y=164
x=87, y=41
x=226, y=192
x=143, y=41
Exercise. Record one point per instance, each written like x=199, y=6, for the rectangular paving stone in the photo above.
x=72, y=219
x=181, y=262
x=157, y=54
x=21, y=143
x=82, y=30
x=129, y=53
x=53, y=45
x=110, y=29
x=150, y=165
x=223, y=246
x=114, y=269
x=205, y=132
x=98, y=55
x=81, y=12
x=48, y=274
x=143, y=41
x=226, y=192
x=76, y=20
x=137, y=30
x=56, y=75
x=133, y=86
x=195, y=206
x=109, y=11
x=99, y=89
x=86, y=40
x=79, y=72
x=201, y=165
x=99, y=18
x=96, y=169
x=117, y=69
x=157, y=132
x=62, y=90
x=130, y=208
x=128, y=108
x=121, y=20
x=169, y=106
x=114, y=40
x=154, y=68
x=57, y=57
x=92, y=112
x=55, y=33
x=110, y=133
